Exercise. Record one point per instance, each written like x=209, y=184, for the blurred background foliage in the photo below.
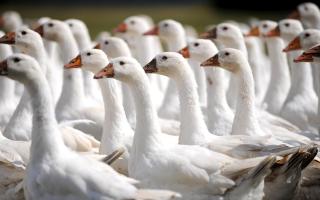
x=106, y=14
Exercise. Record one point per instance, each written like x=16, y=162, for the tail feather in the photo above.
x=109, y=159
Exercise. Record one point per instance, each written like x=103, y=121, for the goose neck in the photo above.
x=175, y=43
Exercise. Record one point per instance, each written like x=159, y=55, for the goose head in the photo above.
x=167, y=29
x=20, y=67
x=305, y=40
x=289, y=28
x=114, y=47
x=24, y=38
x=78, y=28
x=91, y=60
x=10, y=20
x=224, y=32
x=310, y=55
x=169, y=64
x=199, y=50
x=269, y=28
x=228, y=58
x=308, y=13
x=102, y=35
x=54, y=30
x=124, y=69
x=133, y=25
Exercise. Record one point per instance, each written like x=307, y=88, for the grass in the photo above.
x=106, y=18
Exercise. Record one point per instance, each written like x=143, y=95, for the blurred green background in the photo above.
x=103, y=17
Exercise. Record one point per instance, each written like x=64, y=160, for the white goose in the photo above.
x=93, y=179
x=10, y=21
x=82, y=36
x=19, y=126
x=301, y=89
x=183, y=168
x=71, y=104
x=8, y=100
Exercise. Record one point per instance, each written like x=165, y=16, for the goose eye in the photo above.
x=287, y=24
x=50, y=24
x=106, y=42
x=307, y=35
x=70, y=25
x=88, y=54
x=306, y=8
x=16, y=60
x=265, y=25
x=224, y=28
x=164, y=57
x=23, y=32
x=132, y=22
x=196, y=44
x=226, y=53
x=166, y=25
x=121, y=63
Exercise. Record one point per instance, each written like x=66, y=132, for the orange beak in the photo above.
x=151, y=67
x=4, y=68
x=293, y=45
x=304, y=58
x=39, y=30
x=254, y=32
x=294, y=15
x=185, y=52
x=1, y=21
x=97, y=46
x=106, y=72
x=153, y=31
x=274, y=32
x=211, y=34
x=122, y=28
x=8, y=38
x=213, y=61
x=74, y=63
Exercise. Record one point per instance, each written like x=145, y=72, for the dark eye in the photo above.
x=88, y=54
x=196, y=44
x=226, y=53
x=307, y=35
x=121, y=63
x=106, y=42
x=16, y=60
x=265, y=25
x=50, y=24
x=224, y=28
x=164, y=57
x=166, y=25
x=70, y=25
x=287, y=24
x=23, y=32
x=132, y=22
x=306, y=8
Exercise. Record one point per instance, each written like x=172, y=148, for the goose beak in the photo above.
x=122, y=28
x=74, y=63
x=4, y=68
x=153, y=31
x=255, y=32
x=151, y=67
x=274, y=32
x=211, y=34
x=314, y=50
x=185, y=52
x=294, y=15
x=213, y=61
x=304, y=58
x=97, y=46
x=8, y=38
x=106, y=72
x=39, y=30
x=293, y=45
x=1, y=22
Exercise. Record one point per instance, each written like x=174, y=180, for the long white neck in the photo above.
x=174, y=44
x=83, y=41
x=72, y=91
x=245, y=120
x=6, y=85
x=280, y=77
x=193, y=130
x=46, y=138
x=313, y=22
x=236, y=44
x=147, y=123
